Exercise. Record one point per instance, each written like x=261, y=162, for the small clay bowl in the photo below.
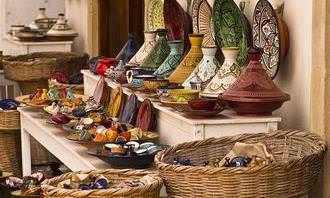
x=203, y=104
x=183, y=95
x=154, y=84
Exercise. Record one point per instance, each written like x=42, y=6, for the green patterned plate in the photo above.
x=155, y=17
x=230, y=28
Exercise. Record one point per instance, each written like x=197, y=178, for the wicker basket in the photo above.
x=116, y=176
x=10, y=152
x=40, y=65
x=10, y=120
x=298, y=156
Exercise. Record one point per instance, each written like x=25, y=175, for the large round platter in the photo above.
x=154, y=16
x=204, y=23
x=25, y=99
x=230, y=28
x=266, y=35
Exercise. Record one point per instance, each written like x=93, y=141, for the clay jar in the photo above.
x=254, y=92
x=189, y=63
x=206, y=69
x=226, y=75
x=104, y=64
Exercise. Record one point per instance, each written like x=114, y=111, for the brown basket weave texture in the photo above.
x=10, y=120
x=299, y=156
x=40, y=65
x=10, y=152
x=115, y=176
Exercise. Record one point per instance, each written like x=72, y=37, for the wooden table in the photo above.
x=53, y=138
x=175, y=128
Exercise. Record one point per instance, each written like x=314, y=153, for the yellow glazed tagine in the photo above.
x=189, y=63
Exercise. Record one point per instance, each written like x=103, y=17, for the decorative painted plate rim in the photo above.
x=194, y=15
x=210, y=29
x=262, y=6
x=151, y=11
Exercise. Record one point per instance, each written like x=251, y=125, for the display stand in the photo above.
x=173, y=127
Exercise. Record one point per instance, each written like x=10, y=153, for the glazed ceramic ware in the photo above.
x=154, y=84
x=61, y=30
x=104, y=64
x=177, y=22
x=114, y=73
x=146, y=117
x=129, y=49
x=101, y=92
x=188, y=111
x=189, y=63
x=42, y=14
x=158, y=54
x=148, y=45
x=203, y=20
x=202, y=104
x=172, y=60
x=230, y=28
x=138, y=80
x=115, y=102
x=267, y=35
x=254, y=92
x=130, y=110
x=135, y=71
x=154, y=15
x=206, y=69
x=194, y=14
x=242, y=6
x=183, y=95
x=226, y=75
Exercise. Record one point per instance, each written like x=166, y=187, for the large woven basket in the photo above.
x=10, y=152
x=40, y=65
x=10, y=120
x=298, y=155
x=115, y=176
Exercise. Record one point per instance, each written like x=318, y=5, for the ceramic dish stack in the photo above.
x=149, y=189
x=61, y=31
x=298, y=160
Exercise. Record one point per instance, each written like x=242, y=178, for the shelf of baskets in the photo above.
x=175, y=128
x=16, y=47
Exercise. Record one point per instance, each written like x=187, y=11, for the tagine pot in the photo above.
x=172, y=60
x=226, y=75
x=158, y=54
x=104, y=64
x=129, y=49
x=206, y=69
x=254, y=92
x=144, y=51
x=189, y=63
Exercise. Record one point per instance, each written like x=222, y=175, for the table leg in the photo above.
x=26, y=152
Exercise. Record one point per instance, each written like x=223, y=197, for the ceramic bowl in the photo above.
x=183, y=95
x=138, y=80
x=164, y=91
x=154, y=84
x=203, y=104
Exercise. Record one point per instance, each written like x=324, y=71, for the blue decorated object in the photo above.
x=76, y=79
x=129, y=49
x=101, y=183
x=69, y=94
x=79, y=112
x=9, y=104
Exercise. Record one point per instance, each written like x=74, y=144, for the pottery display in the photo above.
x=191, y=60
x=230, y=28
x=198, y=114
x=105, y=63
x=254, y=92
x=154, y=15
x=42, y=14
x=14, y=29
x=135, y=71
x=206, y=69
x=154, y=84
x=129, y=49
x=130, y=110
x=100, y=95
x=163, y=92
x=61, y=31
x=194, y=14
x=158, y=54
x=29, y=35
x=44, y=23
x=114, y=72
x=203, y=21
x=115, y=102
x=271, y=34
x=177, y=23
x=138, y=80
x=148, y=45
x=202, y=104
x=183, y=95
x=172, y=60
x=226, y=75
x=146, y=117
x=242, y=6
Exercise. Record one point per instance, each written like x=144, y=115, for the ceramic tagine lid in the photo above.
x=254, y=92
x=61, y=28
x=42, y=14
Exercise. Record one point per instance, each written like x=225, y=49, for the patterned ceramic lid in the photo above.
x=254, y=84
x=61, y=28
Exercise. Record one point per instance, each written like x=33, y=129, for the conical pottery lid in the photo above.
x=61, y=28
x=254, y=84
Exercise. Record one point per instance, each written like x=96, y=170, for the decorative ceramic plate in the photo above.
x=145, y=118
x=230, y=28
x=194, y=14
x=185, y=109
x=266, y=36
x=204, y=23
x=155, y=17
x=130, y=110
x=174, y=20
x=115, y=102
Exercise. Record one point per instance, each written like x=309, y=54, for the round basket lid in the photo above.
x=254, y=84
x=145, y=116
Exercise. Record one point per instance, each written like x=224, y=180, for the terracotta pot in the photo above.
x=254, y=92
